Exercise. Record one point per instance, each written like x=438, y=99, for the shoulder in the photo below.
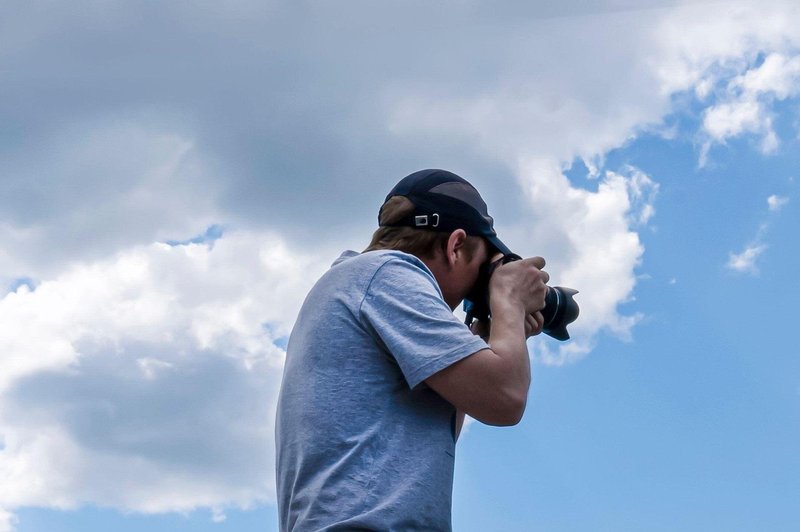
x=399, y=270
x=383, y=263
x=378, y=258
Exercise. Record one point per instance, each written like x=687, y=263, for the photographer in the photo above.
x=379, y=372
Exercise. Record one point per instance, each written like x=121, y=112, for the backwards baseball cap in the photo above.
x=445, y=202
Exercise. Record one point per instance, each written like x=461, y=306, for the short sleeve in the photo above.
x=404, y=308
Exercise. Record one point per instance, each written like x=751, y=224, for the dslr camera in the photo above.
x=559, y=311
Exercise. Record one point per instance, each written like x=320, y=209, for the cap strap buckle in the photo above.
x=422, y=220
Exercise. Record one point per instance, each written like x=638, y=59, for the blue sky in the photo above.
x=176, y=177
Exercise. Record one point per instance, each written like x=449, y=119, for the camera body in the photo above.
x=559, y=311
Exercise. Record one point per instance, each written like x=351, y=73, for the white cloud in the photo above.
x=717, y=53
x=703, y=88
x=539, y=108
x=147, y=381
x=732, y=119
x=218, y=516
x=119, y=363
x=241, y=138
x=97, y=187
x=7, y=521
x=776, y=203
x=778, y=75
x=726, y=120
x=746, y=106
x=699, y=44
x=590, y=243
x=745, y=262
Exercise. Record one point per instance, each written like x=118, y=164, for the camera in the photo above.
x=559, y=311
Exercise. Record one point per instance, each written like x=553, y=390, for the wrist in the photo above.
x=506, y=306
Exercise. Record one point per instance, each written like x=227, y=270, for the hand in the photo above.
x=533, y=324
x=481, y=328
x=523, y=284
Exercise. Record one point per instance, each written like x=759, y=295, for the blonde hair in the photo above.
x=420, y=242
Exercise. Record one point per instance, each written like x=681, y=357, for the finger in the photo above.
x=539, y=317
x=538, y=262
x=533, y=326
x=544, y=276
x=530, y=326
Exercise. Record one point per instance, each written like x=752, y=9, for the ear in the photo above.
x=455, y=246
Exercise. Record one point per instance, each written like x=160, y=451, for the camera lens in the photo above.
x=559, y=311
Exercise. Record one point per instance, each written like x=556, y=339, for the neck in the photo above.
x=440, y=270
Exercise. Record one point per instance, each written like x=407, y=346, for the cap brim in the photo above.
x=499, y=246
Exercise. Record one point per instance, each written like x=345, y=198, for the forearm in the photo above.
x=507, y=339
x=505, y=375
x=506, y=335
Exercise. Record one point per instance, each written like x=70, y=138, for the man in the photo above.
x=379, y=372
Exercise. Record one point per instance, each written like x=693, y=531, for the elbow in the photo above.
x=513, y=413
x=509, y=411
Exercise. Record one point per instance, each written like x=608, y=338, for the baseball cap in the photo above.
x=444, y=202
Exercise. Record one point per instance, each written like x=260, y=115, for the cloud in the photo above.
x=277, y=105
x=778, y=76
x=738, y=63
x=131, y=123
x=746, y=106
x=731, y=119
x=745, y=262
x=258, y=113
x=594, y=247
x=94, y=188
x=7, y=521
x=776, y=203
x=147, y=381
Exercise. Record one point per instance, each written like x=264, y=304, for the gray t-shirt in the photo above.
x=362, y=442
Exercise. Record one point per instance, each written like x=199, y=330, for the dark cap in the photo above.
x=445, y=202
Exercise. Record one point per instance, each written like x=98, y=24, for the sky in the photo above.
x=175, y=176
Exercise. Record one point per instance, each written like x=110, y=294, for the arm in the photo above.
x=533, y=326
x=492, y=384
x=459, y=422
